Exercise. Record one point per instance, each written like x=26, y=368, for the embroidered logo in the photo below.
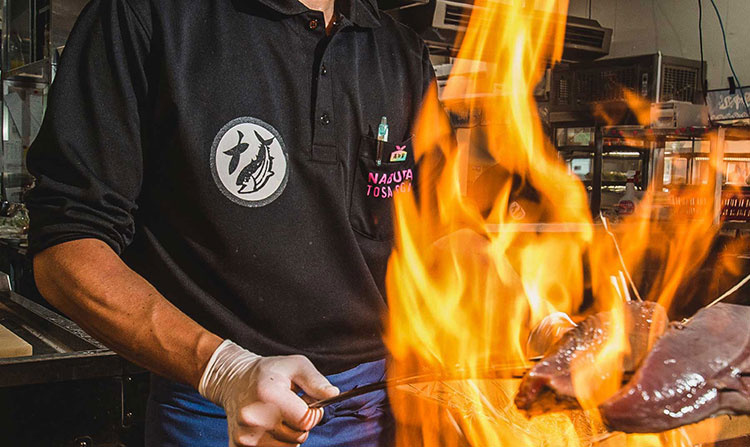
x=249, y=162
x=385, y=186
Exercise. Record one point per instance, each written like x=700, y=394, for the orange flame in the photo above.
x=470, y=277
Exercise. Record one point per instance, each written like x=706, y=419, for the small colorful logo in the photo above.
x=399, y=154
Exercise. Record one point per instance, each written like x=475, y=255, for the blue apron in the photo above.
x=178, y=416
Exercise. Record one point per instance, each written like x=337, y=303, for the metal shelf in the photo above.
x=610, y=183
x=657, y=140
x=38, y=72
x=606, y=149
x=735, y=225
x=683, y=133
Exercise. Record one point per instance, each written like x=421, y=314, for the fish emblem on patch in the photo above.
x=249, y=162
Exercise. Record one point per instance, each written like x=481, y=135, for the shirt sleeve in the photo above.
x=87, y=158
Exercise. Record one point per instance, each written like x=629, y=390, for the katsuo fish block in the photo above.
x=11, y=345
x=548, y=386
x=696, y=370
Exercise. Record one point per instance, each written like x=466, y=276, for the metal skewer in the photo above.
x=620, y=257
x=493, y=372
x=724, y=296
x=490, y=373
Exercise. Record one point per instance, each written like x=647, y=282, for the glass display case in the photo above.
x=34, y=34
x=681, y=159
x=687, y=163
x=24, y=102
x=577, y=148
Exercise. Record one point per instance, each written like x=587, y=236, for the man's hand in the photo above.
x=86, y=280
x=258, y=395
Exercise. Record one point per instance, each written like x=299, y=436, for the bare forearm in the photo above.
x=86, y=280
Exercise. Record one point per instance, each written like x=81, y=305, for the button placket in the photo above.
x=324, y=137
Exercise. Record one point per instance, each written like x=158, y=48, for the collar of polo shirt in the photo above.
x=362, y=13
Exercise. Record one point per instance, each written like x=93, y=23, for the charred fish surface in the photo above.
x=548, y=386
x=694, y=371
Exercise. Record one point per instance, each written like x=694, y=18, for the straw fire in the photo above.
x=468, y=282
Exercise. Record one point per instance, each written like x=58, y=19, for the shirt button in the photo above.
x=323, y=70
x=325, y=119
x=313, y=24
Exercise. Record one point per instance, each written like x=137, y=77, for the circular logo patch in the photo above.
x=249, y=163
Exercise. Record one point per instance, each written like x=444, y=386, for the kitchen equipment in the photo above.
x=622, y=88
x=81, y=392
x=676, y=114
x=442, y=23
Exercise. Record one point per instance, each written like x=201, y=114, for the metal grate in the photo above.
x=457, y=15
x=605, y=85
x=679, y=83
x=577, y=35
x=563, y=92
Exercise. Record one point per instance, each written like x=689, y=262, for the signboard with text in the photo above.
x=723, y=105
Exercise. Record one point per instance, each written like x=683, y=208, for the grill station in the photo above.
x=94, y=396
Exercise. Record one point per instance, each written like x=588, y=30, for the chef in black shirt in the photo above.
x=213, y=170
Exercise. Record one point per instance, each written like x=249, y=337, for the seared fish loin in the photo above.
x=694, y=371
x=548, y=386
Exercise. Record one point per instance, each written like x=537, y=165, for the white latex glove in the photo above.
x=258, y=395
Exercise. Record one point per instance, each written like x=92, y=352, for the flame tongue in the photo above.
x=469, y=278
x=461, y=293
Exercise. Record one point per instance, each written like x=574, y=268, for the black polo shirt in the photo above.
x=225, y=148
